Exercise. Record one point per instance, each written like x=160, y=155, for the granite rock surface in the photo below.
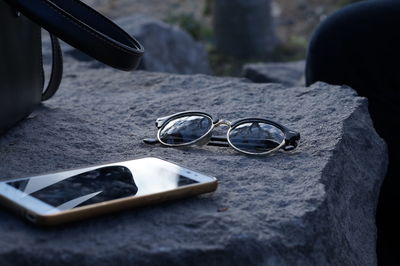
x=311, y=206
x=167, y=48
x=289, y=74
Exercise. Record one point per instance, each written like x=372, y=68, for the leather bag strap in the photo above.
x=85, y=29
x=56, y=70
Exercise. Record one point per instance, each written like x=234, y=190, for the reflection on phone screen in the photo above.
x=64, y=191
x=90, y=187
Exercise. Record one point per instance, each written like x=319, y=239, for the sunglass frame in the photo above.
x=289, y=142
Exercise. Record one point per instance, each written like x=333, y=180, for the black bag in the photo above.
x=21, y=66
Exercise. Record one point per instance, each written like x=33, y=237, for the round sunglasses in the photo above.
x=255, y=136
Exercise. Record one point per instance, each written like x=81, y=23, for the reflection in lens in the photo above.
x=256, y=137
x=185, y=129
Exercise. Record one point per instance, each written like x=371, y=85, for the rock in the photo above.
x=167, y=48
x=289, y=74
x=311, y=206
x=155, y=8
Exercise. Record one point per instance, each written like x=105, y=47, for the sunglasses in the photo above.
x=255, y=136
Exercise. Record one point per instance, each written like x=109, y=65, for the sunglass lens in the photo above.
x=256, y=137
x=185, y=129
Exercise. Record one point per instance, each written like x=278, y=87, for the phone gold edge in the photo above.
x=108, y=207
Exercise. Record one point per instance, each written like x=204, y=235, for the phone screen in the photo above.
x=71, y=189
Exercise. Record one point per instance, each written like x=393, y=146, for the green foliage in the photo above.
x=342, y=3
x=208, y=8
x=222, y=65
x=199, y=30
x=292, y=50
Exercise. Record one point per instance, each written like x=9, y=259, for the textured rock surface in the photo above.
x=311, y=206
x=290, y=74
x=167, y=48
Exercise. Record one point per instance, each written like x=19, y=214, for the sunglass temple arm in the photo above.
x=214, y=141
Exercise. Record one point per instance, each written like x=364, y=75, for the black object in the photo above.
x=21, y=70
x=254, y=136
x=359, y=46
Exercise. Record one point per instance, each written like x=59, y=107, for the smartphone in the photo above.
x=72, y=195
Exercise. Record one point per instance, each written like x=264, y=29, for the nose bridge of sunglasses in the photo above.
x=223, y=122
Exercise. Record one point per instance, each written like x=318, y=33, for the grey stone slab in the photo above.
x=287, y=73
x=312, y=206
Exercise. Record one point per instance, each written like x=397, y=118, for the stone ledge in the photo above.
x=289, y=73
x=313, y=206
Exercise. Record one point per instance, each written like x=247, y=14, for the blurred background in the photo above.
x=235, y=32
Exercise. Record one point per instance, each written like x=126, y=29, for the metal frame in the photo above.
x=290, y=141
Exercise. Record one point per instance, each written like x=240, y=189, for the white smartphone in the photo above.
x=72, y=195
